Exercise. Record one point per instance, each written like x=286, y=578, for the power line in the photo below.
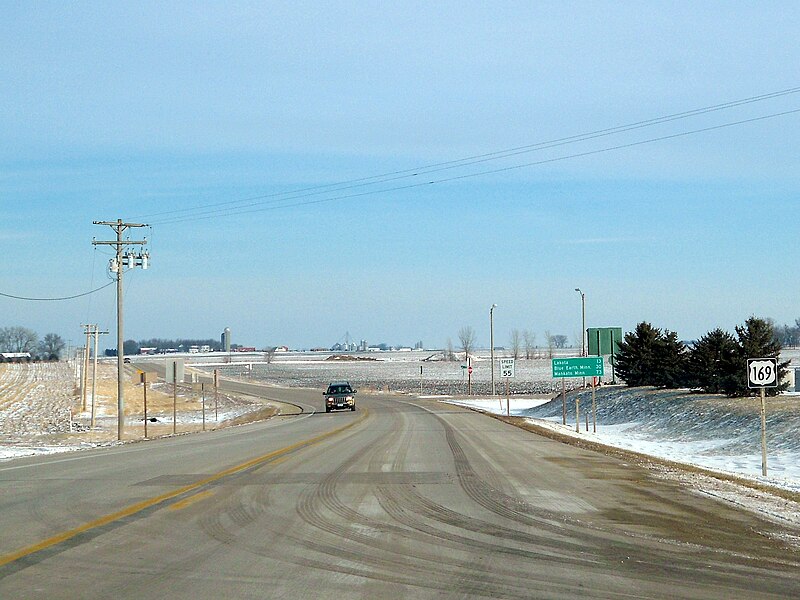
x=56, y=299
x=231, y=212
x=260, y=200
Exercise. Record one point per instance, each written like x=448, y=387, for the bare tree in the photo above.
x=577, y=342
x=516, y=343
x=18, y=339
x=450, y=355
x=550, y=343
x=529, y=338
x=52, y=346
x=466, y=336
x=560, y=341
x=269, y=354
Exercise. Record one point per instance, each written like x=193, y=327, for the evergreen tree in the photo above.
x=708, y=359
x=648, y=356
x=637, y=355
x=755, y=339
x=670, y=368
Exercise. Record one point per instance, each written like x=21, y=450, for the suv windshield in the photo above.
x=340, y=389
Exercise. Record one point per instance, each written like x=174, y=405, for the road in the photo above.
x=403, y=498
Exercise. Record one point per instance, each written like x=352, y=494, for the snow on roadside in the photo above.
x=497, y=406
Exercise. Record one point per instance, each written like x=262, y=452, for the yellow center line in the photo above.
x=191, y=500
x=150, y=502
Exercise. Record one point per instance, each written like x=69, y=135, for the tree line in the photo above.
x=788, y=335
x=131, y=347
x=24, y=340
x=522, y=343
x=716, y=363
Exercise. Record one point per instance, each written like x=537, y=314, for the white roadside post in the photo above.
x=762, y=373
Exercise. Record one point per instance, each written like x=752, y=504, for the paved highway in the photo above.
x=401, y=499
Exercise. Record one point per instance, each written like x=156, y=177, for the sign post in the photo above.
x=216, y=395
x=762, y=373
x=585, y=366
x=144, y=391
x=507, y=372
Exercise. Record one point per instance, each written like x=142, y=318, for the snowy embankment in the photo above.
x=711, y=432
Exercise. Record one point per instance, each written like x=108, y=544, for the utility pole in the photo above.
x=87, y=330
x=491, y=344
x=80, y=363
x=97, y=333
x=117, y=265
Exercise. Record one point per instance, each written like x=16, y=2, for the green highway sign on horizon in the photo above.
x=584, y=366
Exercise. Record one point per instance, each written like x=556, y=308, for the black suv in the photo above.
x=339, y=395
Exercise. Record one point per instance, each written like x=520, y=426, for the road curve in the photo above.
x=403, y=498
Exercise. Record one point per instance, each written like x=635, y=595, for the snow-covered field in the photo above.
x=400, y=371
x=41, y=410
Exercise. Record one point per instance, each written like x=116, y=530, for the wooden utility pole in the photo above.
x=80, y=364
x=97, y=333
x=118, y=264
x=87, y=330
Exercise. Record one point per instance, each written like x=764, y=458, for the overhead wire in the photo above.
x=283, y=199
x=277, y=197
x=57, y=298
x=251, y=209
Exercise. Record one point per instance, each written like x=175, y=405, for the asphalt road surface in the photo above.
x=402, y=498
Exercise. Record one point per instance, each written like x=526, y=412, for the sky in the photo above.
x=302, y=167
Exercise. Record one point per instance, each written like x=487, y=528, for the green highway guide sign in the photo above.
x=584, y=366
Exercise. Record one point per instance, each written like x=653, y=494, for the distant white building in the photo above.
x=13, y=356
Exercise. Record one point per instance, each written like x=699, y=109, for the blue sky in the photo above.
x=128, y=110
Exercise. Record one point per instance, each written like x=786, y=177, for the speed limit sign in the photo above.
x=506, y=367
x=762, y=372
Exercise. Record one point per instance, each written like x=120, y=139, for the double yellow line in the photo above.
x=151, y=502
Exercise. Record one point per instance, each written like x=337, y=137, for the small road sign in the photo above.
x=507, y=367
x=469, y=370
x=762, y=372
x=587, y=366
